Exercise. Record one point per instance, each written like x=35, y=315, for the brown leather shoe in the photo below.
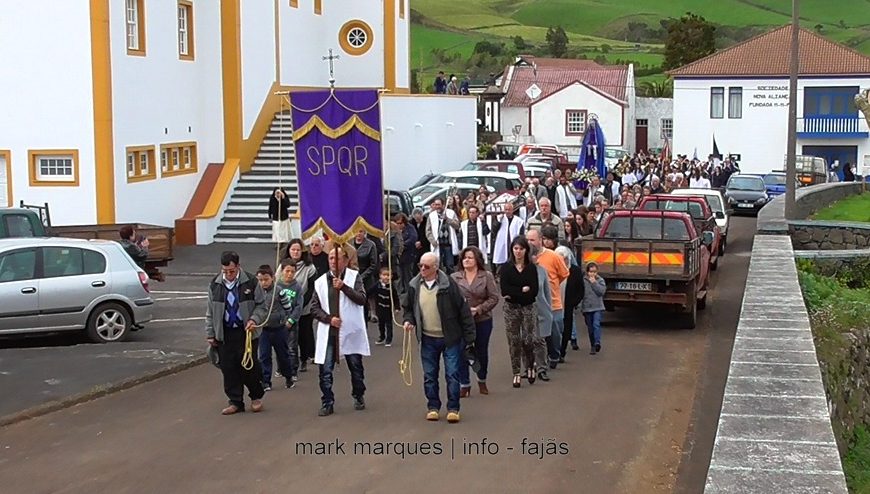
x=257, y=406
x=231, y=410
x=464, y=392
x=483, y=389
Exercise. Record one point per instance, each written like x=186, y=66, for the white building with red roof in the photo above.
x=740, y=95
x=551, y=101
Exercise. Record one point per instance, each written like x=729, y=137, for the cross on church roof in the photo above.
x=331, y=58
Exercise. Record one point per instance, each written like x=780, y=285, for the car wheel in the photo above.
x=690, y=313
x=702, y=302
x=109, y=322
x=722, y=246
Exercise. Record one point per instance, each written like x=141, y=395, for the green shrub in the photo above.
x=856, y=462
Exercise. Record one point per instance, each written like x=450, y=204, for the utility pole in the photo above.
x=792, y=114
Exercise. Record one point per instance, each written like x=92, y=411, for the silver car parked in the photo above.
x=64, y=284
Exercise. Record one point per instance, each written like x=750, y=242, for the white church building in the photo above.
x=165, y=111
x=740, y=96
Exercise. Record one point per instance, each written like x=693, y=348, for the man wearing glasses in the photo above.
x=337, y=306
x=436, y=310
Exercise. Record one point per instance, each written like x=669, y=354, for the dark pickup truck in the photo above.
x=651, y=257
x=35, y=221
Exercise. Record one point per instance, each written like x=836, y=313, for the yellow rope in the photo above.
x=248, y=357
x=405, y=362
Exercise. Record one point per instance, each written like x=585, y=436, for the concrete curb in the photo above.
x=99, y=392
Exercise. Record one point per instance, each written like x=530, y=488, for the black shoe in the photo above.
x=597, y=347
x=574, y=345
x=562, y=360
x=380, y=341
x=290, y=384
x=359, y=403
x=542, y=375
x=325, y=410
x=304, y=366
x=553, y=364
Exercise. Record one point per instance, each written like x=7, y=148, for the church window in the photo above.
x=185, y=30
x=355, y=38
x=140, y=164
x=135, y=27
x=177, y=159
x=54, y=167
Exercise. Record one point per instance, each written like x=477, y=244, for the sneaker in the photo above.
x=388, y=344
x=359, y=403
x=433, y=416
x=256, y=406
x=267, y=387
x=295, y=378
x=325, y=410
x=380, y=341
x=290, y=384
x=304, y=366
x=373, y=319
x=453, y=417
x=597, y=347
x=278, y=374
x=554, y=364
x=542, y=375
x=232, y=410
x=574, y=345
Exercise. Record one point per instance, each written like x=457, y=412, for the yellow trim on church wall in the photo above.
x=221, y=189
x=231, y=76
x=345, y=43
x=390, y=44
x=278, y=40
x=251, y=146
x=101, y=73
x=7, y=155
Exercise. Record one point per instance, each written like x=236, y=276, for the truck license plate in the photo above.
x=633, y=286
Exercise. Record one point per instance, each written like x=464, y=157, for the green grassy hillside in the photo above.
x=608, y=28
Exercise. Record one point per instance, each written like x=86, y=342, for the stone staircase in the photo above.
x=246, y=216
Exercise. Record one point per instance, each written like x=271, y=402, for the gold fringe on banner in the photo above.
x=360, y=222
x=352, y=122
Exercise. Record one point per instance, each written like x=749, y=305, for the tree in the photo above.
x=689, y=38
x=520, y=43
x=415, y=82
x=656, y=89
x=557, y=41
x=605, y=48
x=819, y=28
x=493, y=49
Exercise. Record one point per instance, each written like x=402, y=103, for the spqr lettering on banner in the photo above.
x=348, y=160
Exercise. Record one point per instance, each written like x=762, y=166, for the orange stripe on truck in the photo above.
x=634, y=258
x=605, y=257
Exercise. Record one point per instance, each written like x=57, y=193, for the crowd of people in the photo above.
x=438, y=275
x=451, y=84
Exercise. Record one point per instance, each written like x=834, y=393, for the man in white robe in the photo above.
x=441, y=233
x=566, y=197
x=337, y=306
x=506, y=228
x=475, y=232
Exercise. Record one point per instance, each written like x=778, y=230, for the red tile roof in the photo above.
x=769, y=54
x=555, y=74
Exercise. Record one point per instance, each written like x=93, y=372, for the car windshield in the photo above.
x=745, y=183
x=614, y=153
x=774, y=179
x=425, y=192
x=646, y=228
x=470, y=167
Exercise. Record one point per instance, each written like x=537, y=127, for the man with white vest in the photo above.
x=441, y=233
x=337, y=306
x=507, y=227
x=566, y=197
x=475, y=232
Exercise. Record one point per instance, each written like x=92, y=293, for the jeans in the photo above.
x=447, y=260
x=483, y=329
x=431, y=350
x=554, y=341
x=279, y=339
x=357, y=376
x=569, y=332
x=385, y=324
x=593, y=325
x=236, y=377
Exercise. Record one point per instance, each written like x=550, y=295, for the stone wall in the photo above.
x=808, y=200
x=847, y=381
x=829, y=235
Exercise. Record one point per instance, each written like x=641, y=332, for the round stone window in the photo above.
x=355, y=38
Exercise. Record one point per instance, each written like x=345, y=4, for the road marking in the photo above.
x=194, y=297
x=771, y=350
x=177, y=292
x=824, y=418
x=760, y=378
x=772, y=363
x=778, y=470
x=777, y=441
x=180, y=319
x=754, y=395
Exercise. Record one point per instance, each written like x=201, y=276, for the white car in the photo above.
x=424, y=196
x=497, y=181
x=536, y=169
x=717, y=203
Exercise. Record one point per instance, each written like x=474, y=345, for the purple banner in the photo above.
x=338, y=161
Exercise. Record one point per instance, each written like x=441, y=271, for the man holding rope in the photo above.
x=236, y=307
x=337, y=306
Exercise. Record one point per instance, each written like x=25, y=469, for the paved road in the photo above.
x=623, y=421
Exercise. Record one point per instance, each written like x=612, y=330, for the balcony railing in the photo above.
x=832, y=127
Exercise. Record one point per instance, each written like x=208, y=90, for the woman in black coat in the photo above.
x=574, y=291
x=279, y=213
x=418, y=221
